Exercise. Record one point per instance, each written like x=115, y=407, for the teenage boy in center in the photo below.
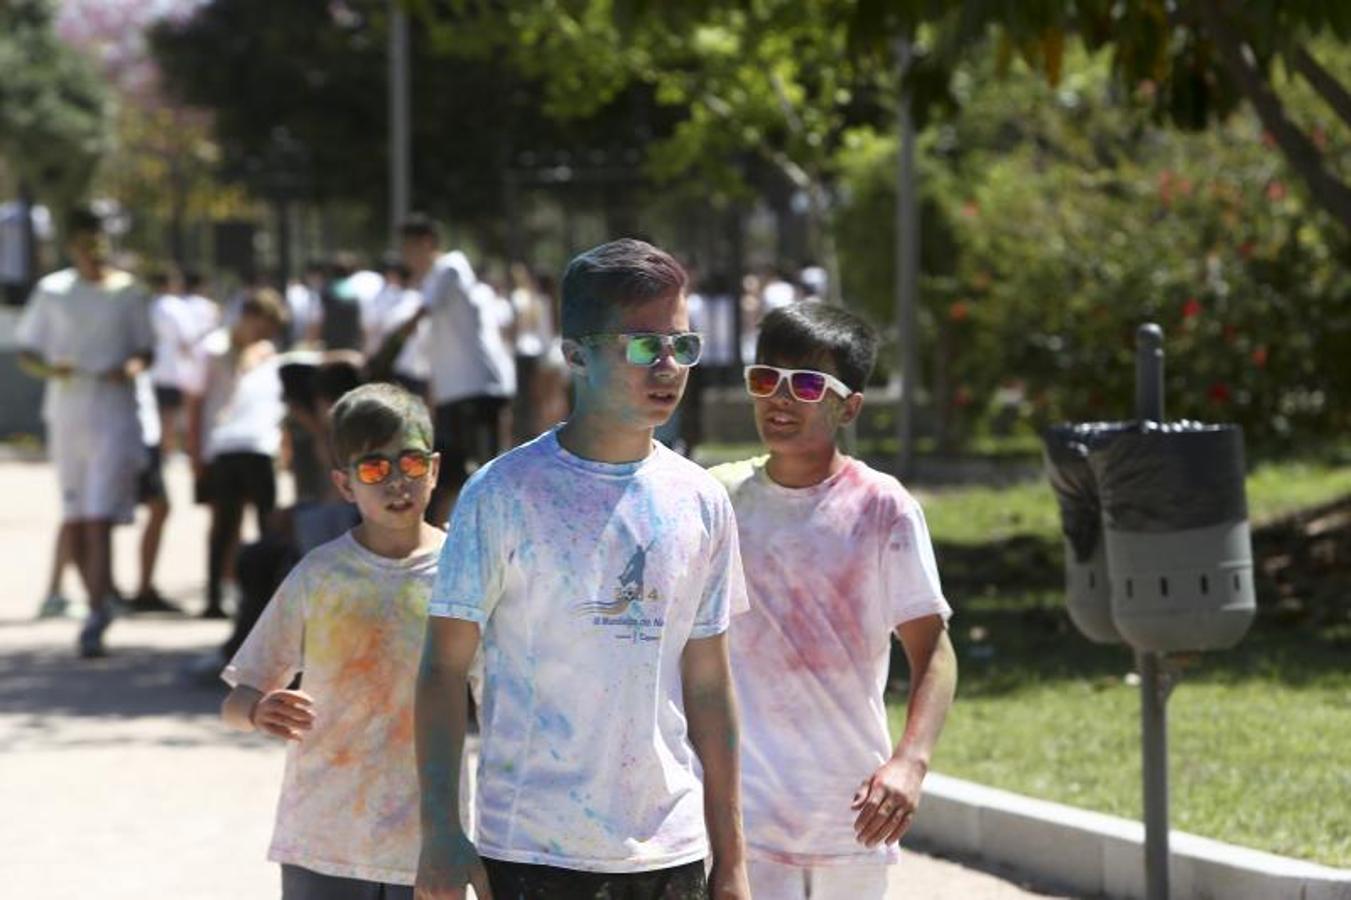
x=599, y=570
x=838, y=559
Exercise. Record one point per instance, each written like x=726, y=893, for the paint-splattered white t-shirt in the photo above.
x=353, y=623
x=589, y=579
x=831, y=570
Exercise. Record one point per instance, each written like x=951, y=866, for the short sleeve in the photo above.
x=33, y=332
x=273, y=653
x=472, y=571
x=909, y=569
x=725, y=587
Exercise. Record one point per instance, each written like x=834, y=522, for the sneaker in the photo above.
x=150, y=601
x=59, y=607
x=53, y=607
x=90, y=643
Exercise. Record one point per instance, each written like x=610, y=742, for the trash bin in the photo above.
x=1175, y=532
x=1087, y=585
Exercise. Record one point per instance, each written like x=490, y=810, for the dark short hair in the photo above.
x=420, y=225
x=83, y=220
x=192, y=280
x=392, y=262
x=374, y=414
x=805, y=331
x=621, y=273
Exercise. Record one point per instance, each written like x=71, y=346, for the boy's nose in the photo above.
x=666, y=364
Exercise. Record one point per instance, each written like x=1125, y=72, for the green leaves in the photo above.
x=53, y=110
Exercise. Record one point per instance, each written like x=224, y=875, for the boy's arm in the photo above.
x=448, y=860
x=710, y=709
x=192, y=437
x=887, y=801
x=32, y=363
x=132, y=366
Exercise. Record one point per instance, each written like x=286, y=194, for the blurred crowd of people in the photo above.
x=242, y=384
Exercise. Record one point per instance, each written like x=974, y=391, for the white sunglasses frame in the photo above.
x=832, y=383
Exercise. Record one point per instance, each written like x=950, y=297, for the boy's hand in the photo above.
x=887, y=802
x=447, y=866
x=729, y=882
x=284, y=714
x=125, y=372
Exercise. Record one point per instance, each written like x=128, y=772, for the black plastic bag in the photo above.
x=1067, y=453
x=1171, y=477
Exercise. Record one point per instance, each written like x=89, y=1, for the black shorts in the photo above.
x=167, y=397
x=520, y=881
x=150, y=480
x=467, y=431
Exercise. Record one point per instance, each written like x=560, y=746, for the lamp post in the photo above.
x=400, y=156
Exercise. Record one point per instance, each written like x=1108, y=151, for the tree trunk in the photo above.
x=1333, y=195
x=1333, y=92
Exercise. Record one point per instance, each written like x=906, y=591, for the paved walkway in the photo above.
x=117, y=779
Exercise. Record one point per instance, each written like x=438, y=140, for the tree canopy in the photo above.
x=53, y=121
x=298, y=91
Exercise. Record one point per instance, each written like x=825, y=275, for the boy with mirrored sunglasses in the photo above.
x=599, y=571
x=349, y=619
x=837, y=558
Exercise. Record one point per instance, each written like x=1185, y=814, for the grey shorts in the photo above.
x=301, y=884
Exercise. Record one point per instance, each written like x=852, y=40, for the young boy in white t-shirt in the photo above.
x=837, y=559
x=86, y=330
x=350, y=619
x=599, y=571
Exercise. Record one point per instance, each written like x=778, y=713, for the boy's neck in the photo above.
x=800, y=470
x=92, y=272
x=590, y=437
x=392, y=543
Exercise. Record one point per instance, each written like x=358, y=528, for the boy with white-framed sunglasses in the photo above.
x=837, y=558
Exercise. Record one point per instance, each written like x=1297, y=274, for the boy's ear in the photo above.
x=435, y=470
x=342, y=481
x=573, y=354
x=853, y=405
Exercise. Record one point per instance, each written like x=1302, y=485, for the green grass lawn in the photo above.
x=978, y=515
x=1260, y=736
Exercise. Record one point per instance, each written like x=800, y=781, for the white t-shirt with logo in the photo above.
x=353, y=623
x=831, y=570
x=588, y=580
x=469, y=357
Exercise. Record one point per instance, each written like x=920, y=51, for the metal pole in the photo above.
x=907, y=263
x=1153, y=682
x=400, y=164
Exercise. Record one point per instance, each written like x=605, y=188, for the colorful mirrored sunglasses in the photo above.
x=644, y=348
x=806, y=385
x=375, y=468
